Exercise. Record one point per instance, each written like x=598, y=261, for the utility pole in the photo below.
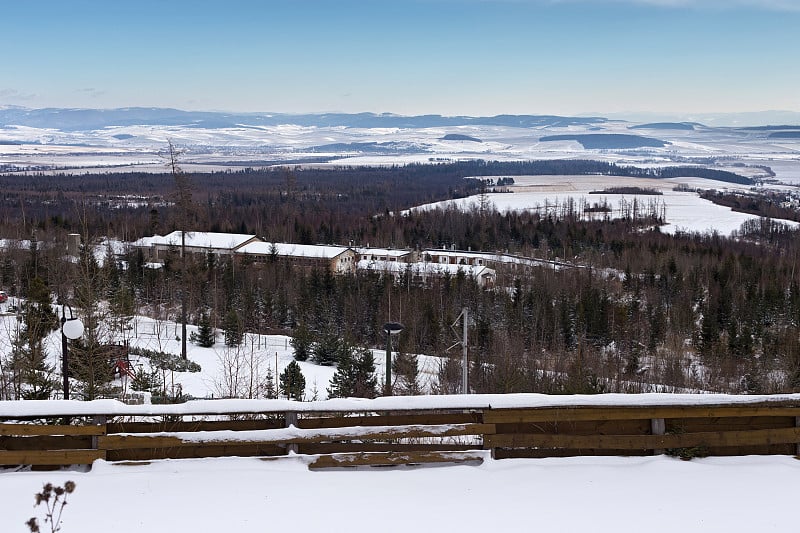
x=464, y=317
x=464, y=356
x=183, y=294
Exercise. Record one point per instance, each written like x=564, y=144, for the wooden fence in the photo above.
x=369, y=436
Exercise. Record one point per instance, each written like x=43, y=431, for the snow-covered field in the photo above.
x=137, y=146
x=685, y=211
x=615, y=495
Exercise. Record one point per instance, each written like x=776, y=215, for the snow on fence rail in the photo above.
x=400, y=430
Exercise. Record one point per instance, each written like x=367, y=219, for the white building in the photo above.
x=422, y=271
x=337, y=259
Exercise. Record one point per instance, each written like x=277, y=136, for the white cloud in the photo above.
x=91, y=92
x=13, y=95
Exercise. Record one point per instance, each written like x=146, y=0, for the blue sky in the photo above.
x=473, y=57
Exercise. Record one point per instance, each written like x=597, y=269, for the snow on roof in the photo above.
x=144, y=242
x=48, y=408
x=424, y=268
x=383, y=251
x=201, y=239
x=293, y=250
x=456, y=253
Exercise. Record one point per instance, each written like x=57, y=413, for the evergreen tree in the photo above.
x=450, y=370
x=301, y=342
x=355, y=375
x=90, y=358
x=270, y=392
x=292, y=382
x=328, y=350
x=37, y=382
x=206, y=336
x=405, y=368
x=146, y=381
x=234, y=330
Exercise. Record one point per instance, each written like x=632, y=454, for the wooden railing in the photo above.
x=329, y=434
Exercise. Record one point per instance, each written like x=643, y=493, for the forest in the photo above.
x=631, y=309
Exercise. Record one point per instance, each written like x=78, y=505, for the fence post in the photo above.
x=290, y=419
x=99, y=420
x=491, y=449
x=797, y=445
x=657, y=427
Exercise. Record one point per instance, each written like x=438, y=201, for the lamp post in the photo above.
x=391, y=328
x=71, y=329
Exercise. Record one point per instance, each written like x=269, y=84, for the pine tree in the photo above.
x=450, y=370
x=146, y=381
x=292, y=382
x=301, y=342
x=269, y=385
x=234, y=331
x=328, y=350
x=405, y=368
x=38, y=321
x=206, y=336
x=90, y=356
x=354, y=376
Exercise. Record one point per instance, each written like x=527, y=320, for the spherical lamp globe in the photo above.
x=72, y=328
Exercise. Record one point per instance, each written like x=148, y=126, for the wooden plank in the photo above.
x=200, y=425
x=195, y=452
x=696, y=425
x=646, y=442
x=121, y=442
x=424, y=419
x=567, y=414
x=47, y=442
x=125, y=442
x=582, y=427
x=363, y=447
x=402, y=432
x=538, y=453
x=395, y=458
x=50, y=457
x=36, y=430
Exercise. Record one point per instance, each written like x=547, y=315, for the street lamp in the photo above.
x=391, y=328
x=71, y=329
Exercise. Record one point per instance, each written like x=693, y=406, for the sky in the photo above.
x=450, y=57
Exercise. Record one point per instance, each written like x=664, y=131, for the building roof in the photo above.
x=312, y=251
x=424, y=268
x=383, y=252
x=202, y=239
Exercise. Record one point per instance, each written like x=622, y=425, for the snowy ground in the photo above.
x=685, y=211
x=617, y=494
x=254, y=357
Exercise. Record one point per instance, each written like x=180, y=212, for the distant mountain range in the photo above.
x=94, y=119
